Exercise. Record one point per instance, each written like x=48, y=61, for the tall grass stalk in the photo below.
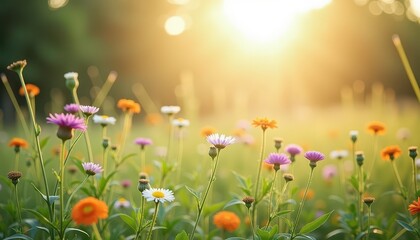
x=257, y=186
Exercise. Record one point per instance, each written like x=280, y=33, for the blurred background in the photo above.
x=224, y=54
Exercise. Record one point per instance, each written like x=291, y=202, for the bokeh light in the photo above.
x=175, y=25
x=55, y=4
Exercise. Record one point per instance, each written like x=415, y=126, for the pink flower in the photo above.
x=220, y=141
x=277, y=158
x=293, y=149
x=329, y=172
x=314, y=156
x=71, y=108
x=67, y=123
x=142, y=142
x=92, y=168
x=88, y=110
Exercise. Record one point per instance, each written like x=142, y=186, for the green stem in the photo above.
x=271, y=199
x=103, y=92
x=201, y=205
x=414, y=177
x=37, y=130
x=17, y=161
x=400, y=184
x=170, y=140
x=96, y=232
x=400, y=233
x=180, y=153
x=254, y=208
x=142, y=159
x=126, y=129
x=74, y=191
x=86, y=133
x=140, y=219
x=149, y=235
x=19, y=215
x=375, y=149
x=16, y=105
x=406, y=64
x=62, y=189
x=368, y=223
x=360, y=199
x=252, y=225
x=296, y=223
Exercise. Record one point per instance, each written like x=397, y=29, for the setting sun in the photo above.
x=267, y=20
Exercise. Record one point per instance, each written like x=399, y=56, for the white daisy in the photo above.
x=180, y=122
x=104, y=120
x=122, y=203
x=220, y=141
x=339, y=154
x=170, y=110
x=158, y=195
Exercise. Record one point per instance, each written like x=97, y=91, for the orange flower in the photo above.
x=226, y=220
x=18, y=142
x=376, y=127
x=153, y=118
x=128, y=105
x=309, y=195
x=32, y=89
x=268, y=166
x=207, y=131
x=414, y=208
x=88, y=210
x=264, y=123
x=390, y=152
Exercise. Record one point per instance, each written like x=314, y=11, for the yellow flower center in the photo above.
x=121, y=199
x=105, y=116
x=87, y=209
x=158, y=194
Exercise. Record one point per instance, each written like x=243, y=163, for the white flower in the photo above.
x=158, y=195
x=220, y=141
x=71, y=75
x=104, y=120
x=339, y=154
x=88, y=110
x=122, y=203
x=180, y=122
x=91, y=168
x=170, y=110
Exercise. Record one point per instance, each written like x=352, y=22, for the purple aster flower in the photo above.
x=142, y=142
x=88, y=110
x=329, y=172
x=293, y=149
x=220, y=141
x=71, y=108
x=66, y=124
x=314, y=157
x=277, y=159
x=91, y=168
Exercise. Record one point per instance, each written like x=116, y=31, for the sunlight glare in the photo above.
x=175, y=25
x=415, y=7
x=267, y=20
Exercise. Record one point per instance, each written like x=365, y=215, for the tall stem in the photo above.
x=140, y=219
x=271, y=199
x=375, y=149
x=368, y=223
x=74, y=191
x=96, y=232
x=359, y=203
x=201, y=206
x=62, y=189
x=180, y=153
x=414, y=177
x=400, y=184
x=37, y=130
x=296, y=223
x=19, y=215
x=170, y=140
x=86, y=133
x=149, y=235
x=17, y=161
x=254, y=208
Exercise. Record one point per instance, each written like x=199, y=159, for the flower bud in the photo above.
x=412, y=152
x=213, y=152
x=360, y=158
x=143, y=185
x=248, y=201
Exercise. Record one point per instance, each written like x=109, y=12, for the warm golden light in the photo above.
x=267, y=20
x=415, y=7
x=57, y=3
x=175, y=25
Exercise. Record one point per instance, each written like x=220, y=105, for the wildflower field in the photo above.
x=92, y=171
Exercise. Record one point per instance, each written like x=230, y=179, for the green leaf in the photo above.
x=212, y=208
x=266, y=187
x=310, y=227
x=103, y=182
x=40, y=193
x=278, y=214
x=406, y=226
x=244, y=184
x=196, y=194
x=42, y=218
x=44, y=142
x=234, y=202
x=18, y=236
x=75, y=230
x=129, y=220
x=182, y=236
x=267, y=234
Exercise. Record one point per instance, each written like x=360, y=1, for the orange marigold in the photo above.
x=32, y=89
x=264, y=123
x=153, y=118
x=128, y=105
x=18, y=142
x=226, y=220
x=414, y=208
x=207, y=131
x=88, y=210
x=390, y=152
x=376, y=127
